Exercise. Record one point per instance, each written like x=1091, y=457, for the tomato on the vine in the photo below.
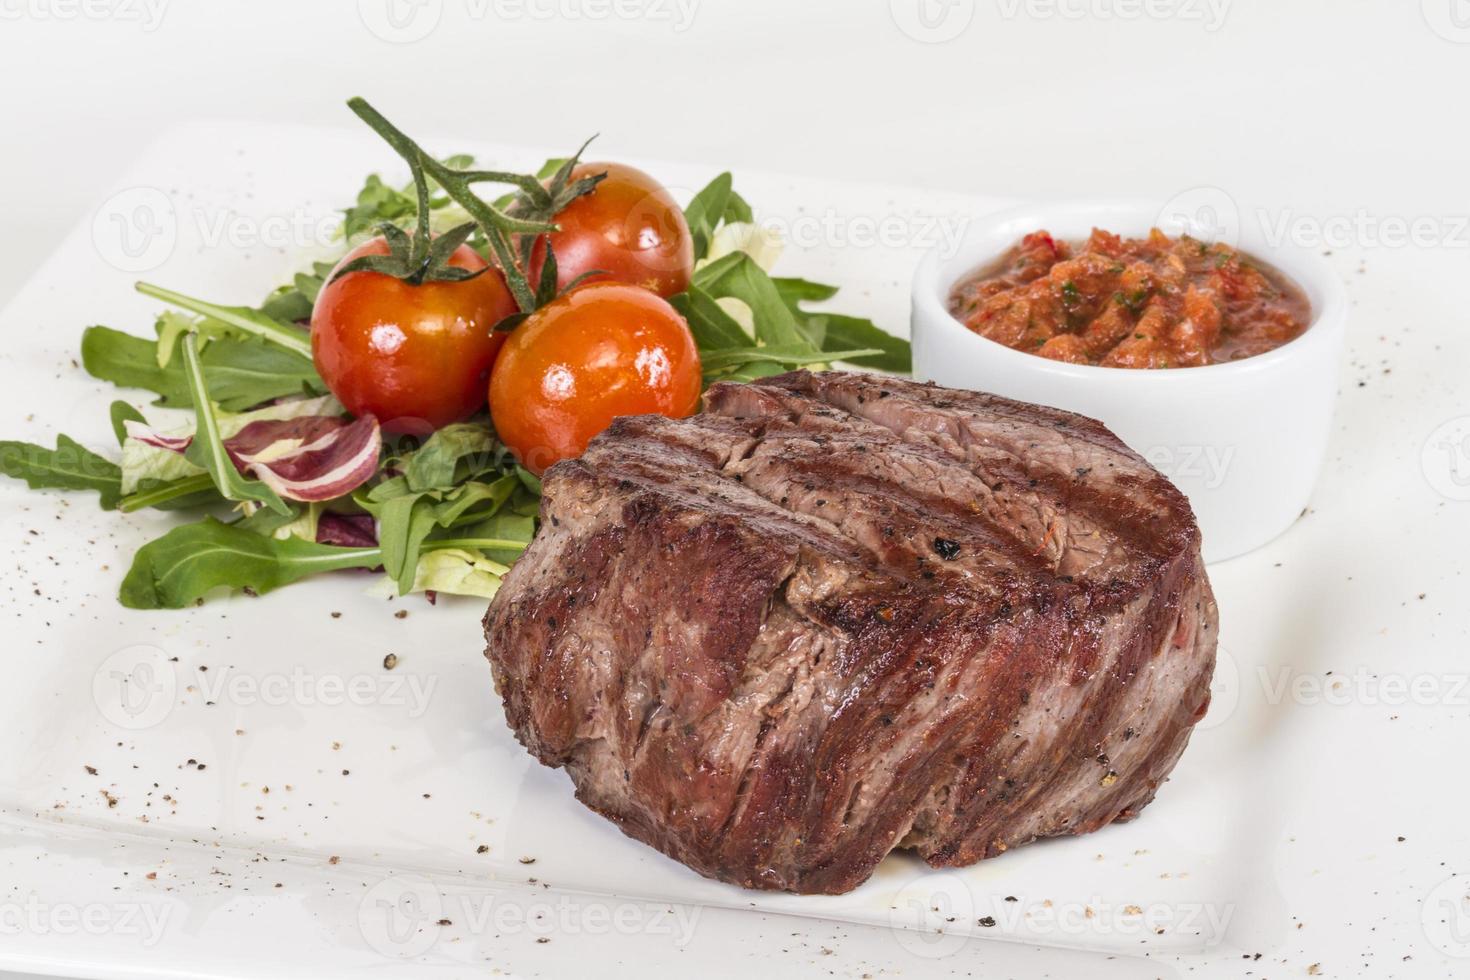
x=598, y=352
x=628, y=227
x=416, y=356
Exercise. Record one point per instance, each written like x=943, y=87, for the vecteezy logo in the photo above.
x=135, y=230
x=1445, y=916
x=401, y=916
x=400, y=21
x=931, y=915
x=1446, y=459
x=1206, y=213
x=932, y=21
x=1450, y=19
x=135, y=687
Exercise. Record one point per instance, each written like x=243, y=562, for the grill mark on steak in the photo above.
x=1065, y=527
x=768, y=687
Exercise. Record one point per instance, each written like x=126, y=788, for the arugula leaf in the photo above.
x=288, y=304
x=183, y=566
x=241, y=318
x=751, y=371
x=795, y=291
x=240, y=373
x=834, y=332
x=70, y=466
x=530, y=481
x=131, y=362
x=190, y=491
x=794, y=355
x=705, y=211
x=892, y=353
x=122, y=413
x=474, y=501
x=503, y=537
x=377, y=202
x=736, y=210
x=434, y=465
x=299, y=520
x=407, y=518
x=170, y=327
x=293, y=303
x=736, y=275
x=244, y=373
x=786, y=335
x=403, y=524
x=716, y=204
x=178, y=569
x=712, y=327
x=207, y=451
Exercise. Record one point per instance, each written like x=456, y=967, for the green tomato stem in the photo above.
x=496, y=225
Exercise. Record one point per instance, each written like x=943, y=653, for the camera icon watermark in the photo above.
x=1445, y=459
x=926, y=913
x=136, y=230
x=400, y=21
x=1450, y=19
x=932, y=21
x=1207, y=213
x=401, y=916
x=136, y=687
x=1445, y=916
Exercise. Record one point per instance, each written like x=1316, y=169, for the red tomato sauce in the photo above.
x=1155, y=302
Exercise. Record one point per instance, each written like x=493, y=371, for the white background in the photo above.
x=1320, y=105
x=1307, y=108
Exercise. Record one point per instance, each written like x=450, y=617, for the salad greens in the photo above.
x=247, y=412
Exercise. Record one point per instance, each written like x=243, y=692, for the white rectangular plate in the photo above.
x=253, y=759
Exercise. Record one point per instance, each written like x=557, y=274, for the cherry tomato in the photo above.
x=628, y=227
x=601, y=351
x=417, y=357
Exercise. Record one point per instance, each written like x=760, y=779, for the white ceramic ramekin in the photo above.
x=1243, y=440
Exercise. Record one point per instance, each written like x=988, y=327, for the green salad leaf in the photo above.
x=712, y=326
x=184, y=565
x=379, y=203
x=450, y=454
x=786, y=333
x=70, y=466
x=717, y=203
x=207, y=450
x=242, y=319
x=293, y=302
x=240, y=373
x=457, y=571
x=121, y=414
x=178, y=494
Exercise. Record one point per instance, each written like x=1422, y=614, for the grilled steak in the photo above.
x=840, y=613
